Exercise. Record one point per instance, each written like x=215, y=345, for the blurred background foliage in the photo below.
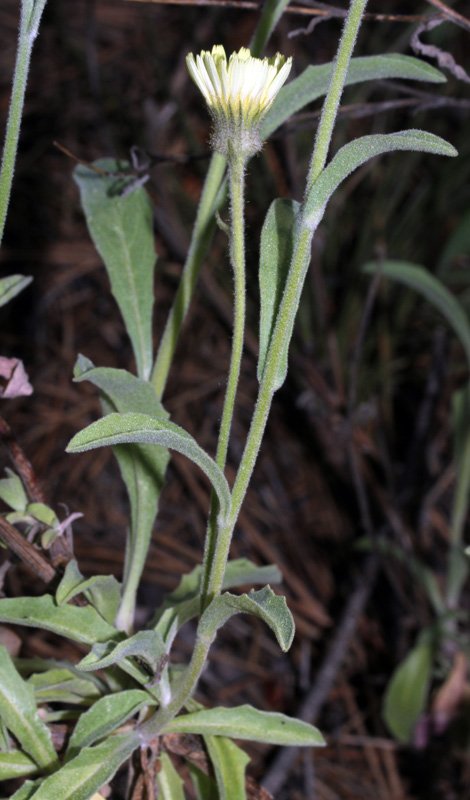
x=360, y=440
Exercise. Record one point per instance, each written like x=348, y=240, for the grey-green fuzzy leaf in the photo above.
x=358, y=152
x=104, y=716
x=85, y=774
x=143, y=429
x=121, y=226
x=277, y=245
x=423, y=282
x=266, y=605
x=19, y=713
x=81, y=624
x=11, y=286
x=246, y=722
x=315, y=80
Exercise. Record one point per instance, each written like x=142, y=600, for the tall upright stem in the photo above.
x=335, y=90
x=237, y=258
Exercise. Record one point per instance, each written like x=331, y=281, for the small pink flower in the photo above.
x=14, y=381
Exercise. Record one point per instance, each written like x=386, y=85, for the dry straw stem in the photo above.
x=250, y=5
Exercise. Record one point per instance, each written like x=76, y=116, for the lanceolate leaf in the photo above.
x=356, y=153
x=142, y=466
x=432, y=289
x=107, y=714
x=170, y=785
x=315, y=80
x=81, y=624
x=229, y=762
x=102, y=591
x=120, y=223
x=143, y=429
x=62, y=684
x=26, y=791
x=16, y=764
x=19, y=713
x=277, y=244
x=148, y=646
x=184, y=603
x=11, y=286
x=246, y=722
x=266, y=605
x=406, y=694
x=84, y=775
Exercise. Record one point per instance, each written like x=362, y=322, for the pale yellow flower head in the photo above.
x=238, y=92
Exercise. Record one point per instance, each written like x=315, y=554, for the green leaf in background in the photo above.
x=102, y=591
x=121, y=226
x=246, y=722
x=184, y=602
x=277, y=244
x=315, y=80
x=62, y=684
x=358, y=152
x=147, y=646
x=419, y=571
x=458, y=244
x=11, y=286
x=85, y=774
x=19, y=713
x=458, y=566
x=16, y=764
x=229, y=762
x=26, y=791
x=81, y=624
x=12, y=491
x=406, y=695
x=419, y=279
x=170, y=785
x=266, y=605
x=142, y=466
x=143, y=429
x=104, y=716
x=203, y=785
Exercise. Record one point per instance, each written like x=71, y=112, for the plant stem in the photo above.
x=237, y=258
x=202, y=233
x=335, y=90
x=266, y=392
x=29, y=24
x=136, y=552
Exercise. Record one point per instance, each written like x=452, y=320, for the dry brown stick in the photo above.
x=21, y=463
x=316, y=697
x=251, y=5
x=451, y=14
x=26, y=551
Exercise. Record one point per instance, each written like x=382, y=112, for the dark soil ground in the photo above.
x=360, y=440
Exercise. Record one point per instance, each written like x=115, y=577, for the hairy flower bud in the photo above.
x=238, y=93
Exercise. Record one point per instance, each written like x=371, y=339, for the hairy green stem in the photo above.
x=237, y=258
x=136, y=553
x=281, y=333
x=29, y=24
x=335, y=90
x=201, y=236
